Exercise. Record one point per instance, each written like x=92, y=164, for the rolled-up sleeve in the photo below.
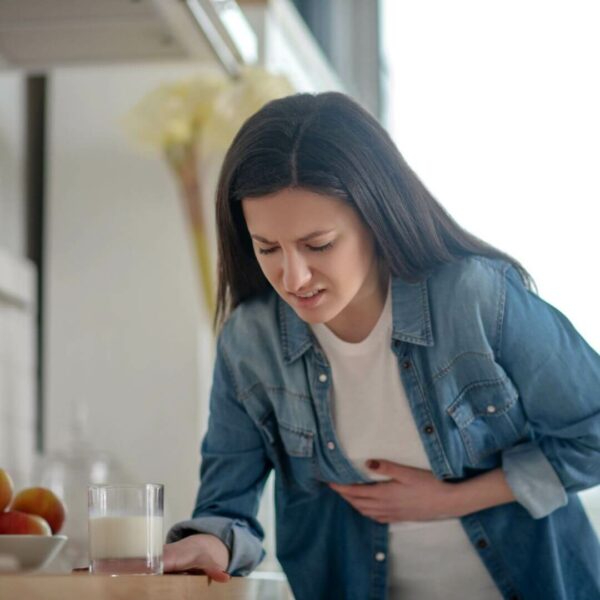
x=232, y=476
x=557, y=375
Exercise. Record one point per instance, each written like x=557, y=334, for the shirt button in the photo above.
x=428, y=429
x=406, y=364
x=491, y=409
x=482, y=544
x=331, y=445
x=323, y=377
x=380, y=556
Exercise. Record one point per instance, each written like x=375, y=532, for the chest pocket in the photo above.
x=292, y=451
x=489, y=418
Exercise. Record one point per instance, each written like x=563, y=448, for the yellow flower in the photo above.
x=208, y=106
x=238, y=101
x=174, y=113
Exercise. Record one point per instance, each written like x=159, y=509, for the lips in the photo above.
x=308, y=294
x=309, y=301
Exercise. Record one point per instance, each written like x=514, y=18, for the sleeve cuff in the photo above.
x=245, y=549
x=533, y=480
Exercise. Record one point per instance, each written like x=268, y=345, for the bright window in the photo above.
x=495, y=105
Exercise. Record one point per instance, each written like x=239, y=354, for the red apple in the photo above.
x=14, y=522
x=42, y=502
x=6, y=489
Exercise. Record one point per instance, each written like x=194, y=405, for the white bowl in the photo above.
x=28, y=552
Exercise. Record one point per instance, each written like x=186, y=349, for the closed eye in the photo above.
x=311, y=248
x=320, y=248
x=267, y=250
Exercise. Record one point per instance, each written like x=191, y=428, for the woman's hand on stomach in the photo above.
x=416, y=495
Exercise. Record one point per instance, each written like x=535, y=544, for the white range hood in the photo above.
x=37, y=35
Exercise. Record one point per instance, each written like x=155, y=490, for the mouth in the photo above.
x=309, y=299
x=308, y=295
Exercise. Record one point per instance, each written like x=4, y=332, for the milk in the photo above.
x=125, y=537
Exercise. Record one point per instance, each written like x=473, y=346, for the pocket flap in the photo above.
x=487, y=399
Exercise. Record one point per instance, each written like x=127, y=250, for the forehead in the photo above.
x=294, y=209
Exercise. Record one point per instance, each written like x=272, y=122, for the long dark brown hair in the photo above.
x=327, y=143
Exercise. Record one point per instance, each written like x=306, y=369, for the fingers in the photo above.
x=373, y=510
x=364, y=498
x=365, y=505
x=359, y=490
x=172, y=559
x=395, y=470
x=189, y=555
x=372, y=507
x=216, y=575
x=180, y=556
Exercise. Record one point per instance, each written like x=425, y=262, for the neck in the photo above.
x=359, y=318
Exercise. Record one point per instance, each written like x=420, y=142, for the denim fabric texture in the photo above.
x=495, y=377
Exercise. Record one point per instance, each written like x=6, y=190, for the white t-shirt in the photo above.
x=430, y=560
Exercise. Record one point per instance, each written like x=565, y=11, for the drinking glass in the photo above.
x=125, y=526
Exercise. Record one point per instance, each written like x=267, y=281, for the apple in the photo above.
x=6, y=489
x=42, y=502
x=13, y=522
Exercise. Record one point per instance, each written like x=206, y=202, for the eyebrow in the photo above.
x=304, y=238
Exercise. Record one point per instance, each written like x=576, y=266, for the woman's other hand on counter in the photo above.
x=199, y=552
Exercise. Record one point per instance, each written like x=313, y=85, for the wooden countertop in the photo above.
x=134, y=587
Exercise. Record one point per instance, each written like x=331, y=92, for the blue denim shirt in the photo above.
x=495, y=377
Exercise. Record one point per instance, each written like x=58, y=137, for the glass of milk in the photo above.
x=125, y=526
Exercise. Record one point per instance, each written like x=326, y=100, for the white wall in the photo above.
x=12, y=162
x=17, y=367
x=122, y=307
x=17, y=291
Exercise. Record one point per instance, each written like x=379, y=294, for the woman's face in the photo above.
x=317, y=254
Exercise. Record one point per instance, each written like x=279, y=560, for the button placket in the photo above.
x=423, y=412
x=323, y=379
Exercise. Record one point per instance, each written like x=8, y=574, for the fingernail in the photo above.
x=373, y=464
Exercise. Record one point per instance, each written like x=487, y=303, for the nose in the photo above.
x=296, y=272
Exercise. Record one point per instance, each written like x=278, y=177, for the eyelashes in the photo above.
x=311, y=248
x=320, y=248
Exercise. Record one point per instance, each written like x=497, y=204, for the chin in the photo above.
x=315, y=317
x=310, y=319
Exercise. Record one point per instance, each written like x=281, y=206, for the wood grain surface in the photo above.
x=131, y=587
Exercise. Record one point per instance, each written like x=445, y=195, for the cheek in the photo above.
x=356, y=261
x=267, y=266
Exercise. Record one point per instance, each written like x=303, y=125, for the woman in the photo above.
x=429, y=418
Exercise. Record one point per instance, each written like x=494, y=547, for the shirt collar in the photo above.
x=410, y=313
